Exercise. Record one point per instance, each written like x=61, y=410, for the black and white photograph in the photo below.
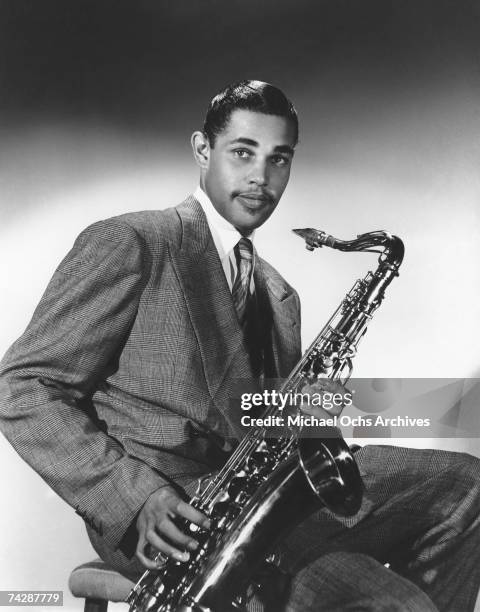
x=239, y=261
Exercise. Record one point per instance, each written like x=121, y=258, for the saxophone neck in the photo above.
x=390, y=247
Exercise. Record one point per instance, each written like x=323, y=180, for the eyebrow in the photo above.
x=254, y=143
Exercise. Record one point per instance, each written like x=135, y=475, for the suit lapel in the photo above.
x=209, y=303
x=279, y=320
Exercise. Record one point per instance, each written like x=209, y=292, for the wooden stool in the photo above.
x=98, y=584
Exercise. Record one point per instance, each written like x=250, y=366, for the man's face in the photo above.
x=248, y=167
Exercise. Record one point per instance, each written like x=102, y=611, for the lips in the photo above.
x=254, y=199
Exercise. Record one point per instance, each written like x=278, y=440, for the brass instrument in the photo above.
x=269, y=485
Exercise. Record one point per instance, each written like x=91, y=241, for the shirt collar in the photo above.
x=224, y=235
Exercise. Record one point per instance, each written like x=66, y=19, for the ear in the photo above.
x=201, y=149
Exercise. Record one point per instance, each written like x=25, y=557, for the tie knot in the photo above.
x=244, y=249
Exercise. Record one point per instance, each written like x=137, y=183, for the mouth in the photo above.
x=254, y=200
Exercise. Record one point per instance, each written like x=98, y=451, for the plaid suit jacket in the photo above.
x=131, y=353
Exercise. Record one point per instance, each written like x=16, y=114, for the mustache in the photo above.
x=256, y=194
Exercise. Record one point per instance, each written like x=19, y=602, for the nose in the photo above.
x=259, y=173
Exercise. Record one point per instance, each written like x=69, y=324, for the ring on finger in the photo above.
x=155, y=555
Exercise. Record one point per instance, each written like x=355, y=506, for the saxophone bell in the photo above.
x=331, y=472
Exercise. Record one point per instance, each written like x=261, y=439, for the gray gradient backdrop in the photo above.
x=97, y=103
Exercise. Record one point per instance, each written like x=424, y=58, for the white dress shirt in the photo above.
x=225, y=237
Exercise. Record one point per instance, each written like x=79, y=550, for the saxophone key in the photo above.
x=237, y=487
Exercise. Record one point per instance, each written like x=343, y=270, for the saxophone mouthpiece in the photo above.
x=314, y=238
x=303, y=233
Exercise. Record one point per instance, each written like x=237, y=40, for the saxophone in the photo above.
x=269, y=485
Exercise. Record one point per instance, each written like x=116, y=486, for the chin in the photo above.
x=248, y=227
x=250, y=222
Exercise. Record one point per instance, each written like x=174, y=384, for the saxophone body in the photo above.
x=269, y=485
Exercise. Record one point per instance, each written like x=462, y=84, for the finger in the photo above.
x=167, y=529
x=159, y=546
x=324, y=384
x=193, y=515
x=329, y=386
x=308, y=389
x=140, y=554
x=321, y=412
x=310, y=409
x=316, y=411
x=164, y=546
x=145, y=561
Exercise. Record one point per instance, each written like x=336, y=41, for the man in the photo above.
x=118, y=392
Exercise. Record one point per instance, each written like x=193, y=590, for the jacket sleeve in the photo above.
x=47, y=378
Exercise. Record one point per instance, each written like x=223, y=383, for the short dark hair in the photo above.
x=248, y=95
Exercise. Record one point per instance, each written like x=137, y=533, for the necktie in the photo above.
x=246, y=306
x=241, y=287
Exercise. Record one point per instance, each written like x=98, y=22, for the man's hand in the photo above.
x=328, y=398
x=156, y=526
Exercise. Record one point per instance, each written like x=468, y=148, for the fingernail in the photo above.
x=207, y=524
x=181, y=556
x=193, y=545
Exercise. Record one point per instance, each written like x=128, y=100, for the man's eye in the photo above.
x=279, y=160
x=242, y=153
